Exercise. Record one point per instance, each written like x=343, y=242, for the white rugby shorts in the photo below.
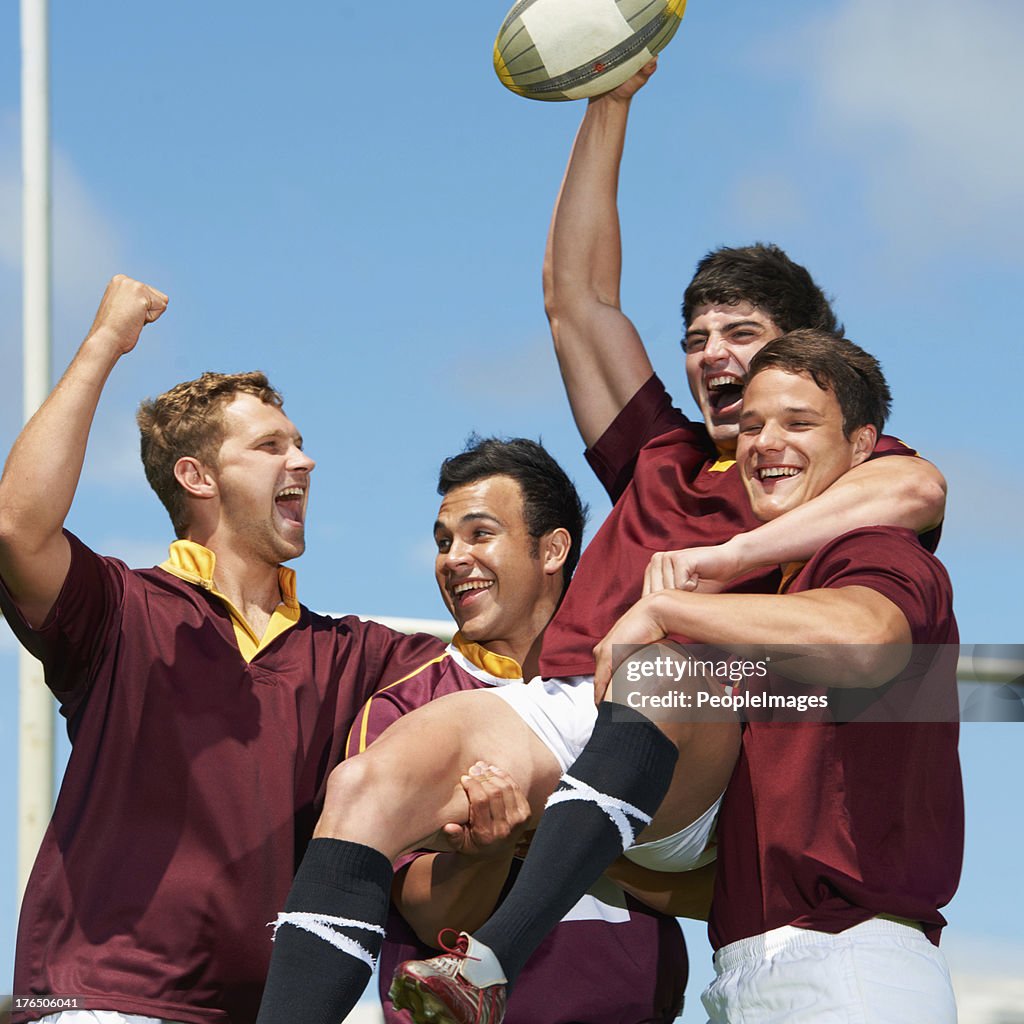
x=878, y=972
x=560, y=711
x=685, y=850
x=562, y=714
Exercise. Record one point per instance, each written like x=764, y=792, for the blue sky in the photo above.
x=345, y=196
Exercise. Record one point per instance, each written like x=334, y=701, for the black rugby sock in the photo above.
x=604, y=800
x=328, y=938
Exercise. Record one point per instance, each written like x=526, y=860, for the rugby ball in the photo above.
x=573, y=49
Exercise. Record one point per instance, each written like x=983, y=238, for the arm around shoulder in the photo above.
x=850, y=637
x=897, y=491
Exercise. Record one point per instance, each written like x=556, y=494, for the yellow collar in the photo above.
x=497, y=665
x=196, y=564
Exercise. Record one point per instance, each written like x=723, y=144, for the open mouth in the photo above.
x=725, y=390
x=467, y=591
x=289, y=503
x=769, y=473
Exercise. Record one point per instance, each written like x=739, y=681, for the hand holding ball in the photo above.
x=574, y=49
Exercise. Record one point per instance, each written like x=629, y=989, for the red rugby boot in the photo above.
x=464, y=985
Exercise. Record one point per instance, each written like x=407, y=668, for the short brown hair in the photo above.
x=188, y=420
x=835, y=364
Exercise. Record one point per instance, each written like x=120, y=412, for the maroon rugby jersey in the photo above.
x=669, y=492
x=628, y=968
x=827, y=824
x=189, y=794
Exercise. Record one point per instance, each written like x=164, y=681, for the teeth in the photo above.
x=724, y=381
x=290, y=492
x=462, y=588
x=774, y=471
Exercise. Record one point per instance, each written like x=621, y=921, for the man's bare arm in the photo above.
x=894, y=491
x=859, y=637
x=43, y=468
x=600, y=354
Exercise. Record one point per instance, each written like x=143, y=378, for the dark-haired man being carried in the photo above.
x=508, y=535
x=675, y=487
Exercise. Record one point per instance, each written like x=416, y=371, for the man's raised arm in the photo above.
x=600, y=354
x=42, y=470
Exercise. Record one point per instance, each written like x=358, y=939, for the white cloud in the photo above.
x=972, y=955
x=420, y=555
x=10, y=281
x=84, y=239
x=113, y=455
x=10, y=193
x=924, y=97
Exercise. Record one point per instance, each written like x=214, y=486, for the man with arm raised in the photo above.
x=203, y=701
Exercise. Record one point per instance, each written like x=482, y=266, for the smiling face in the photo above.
x=719, y=344
x=262, y=477
x=791, y=443
x=500, y=584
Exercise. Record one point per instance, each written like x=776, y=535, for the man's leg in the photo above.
x=603, y=803
x=391, y=798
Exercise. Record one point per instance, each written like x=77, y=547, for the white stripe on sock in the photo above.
x=615, y=809
x=323, y=927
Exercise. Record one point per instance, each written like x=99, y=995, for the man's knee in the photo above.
x=352, y=785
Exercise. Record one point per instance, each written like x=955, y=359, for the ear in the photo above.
x=864, y=439
x=556, y=549
x=194, y=478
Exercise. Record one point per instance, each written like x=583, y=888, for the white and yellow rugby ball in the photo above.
x=572, y=49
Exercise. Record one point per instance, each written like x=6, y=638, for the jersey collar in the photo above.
x=494, y=669
x=196, y=564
